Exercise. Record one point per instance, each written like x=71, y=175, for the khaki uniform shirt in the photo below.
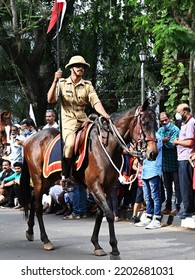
x=74, y=101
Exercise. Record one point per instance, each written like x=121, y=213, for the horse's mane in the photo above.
x=115, y=116
x=150, y=109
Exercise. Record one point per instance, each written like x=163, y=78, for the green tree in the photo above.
x=169, y=27
x=23, y=39
x=104, y=35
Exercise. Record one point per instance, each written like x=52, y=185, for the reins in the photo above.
x=121, y=178
x=121, y=143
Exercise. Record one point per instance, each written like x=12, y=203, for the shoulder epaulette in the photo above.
x=62, y=80
x=87, y=82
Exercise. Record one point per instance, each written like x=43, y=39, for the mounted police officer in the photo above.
x=76, y=93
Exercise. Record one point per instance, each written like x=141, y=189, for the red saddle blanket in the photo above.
x=52, y=160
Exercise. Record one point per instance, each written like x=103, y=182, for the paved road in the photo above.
x=72, y=240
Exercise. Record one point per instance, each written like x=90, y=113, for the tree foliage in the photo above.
x=169, y=26
x=22, y=38
x=110, y=38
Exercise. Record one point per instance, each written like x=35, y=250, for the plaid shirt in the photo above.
x=169, y=152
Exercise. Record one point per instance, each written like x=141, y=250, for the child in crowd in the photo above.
x=139, y=200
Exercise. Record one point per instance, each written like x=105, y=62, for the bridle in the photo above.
x=138, y=147
x=141, y=144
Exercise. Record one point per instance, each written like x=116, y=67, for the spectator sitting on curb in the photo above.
x=8, y=184
x=6, y=172
x=56, y=198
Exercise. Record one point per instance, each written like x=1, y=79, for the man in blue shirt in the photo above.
x=169, y=132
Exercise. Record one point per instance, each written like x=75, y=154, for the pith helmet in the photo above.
x=77, y=59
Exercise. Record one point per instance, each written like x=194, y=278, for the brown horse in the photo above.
x=137, y=125
x=5, y=120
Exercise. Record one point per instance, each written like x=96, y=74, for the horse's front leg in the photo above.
x=31, y=220
x=102, y=203
x=39, y=212
x=114, y=254
x=94, y=238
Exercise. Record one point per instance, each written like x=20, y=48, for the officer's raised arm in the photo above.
x=52, y=93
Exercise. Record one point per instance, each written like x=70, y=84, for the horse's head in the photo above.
x=145, y=127
x=5, y=120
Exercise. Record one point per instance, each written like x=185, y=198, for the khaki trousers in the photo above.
x=69, y=128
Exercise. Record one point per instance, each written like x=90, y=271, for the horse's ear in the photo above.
x=156, y=103
x=145, y=105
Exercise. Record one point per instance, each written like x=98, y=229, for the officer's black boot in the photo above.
x=69, y=185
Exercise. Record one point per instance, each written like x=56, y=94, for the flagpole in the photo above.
x=57, y=38
x=59, y=91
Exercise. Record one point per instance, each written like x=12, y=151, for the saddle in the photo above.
x=81, y=143
x=52, y=160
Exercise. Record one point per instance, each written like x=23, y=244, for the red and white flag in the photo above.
x=59, y=8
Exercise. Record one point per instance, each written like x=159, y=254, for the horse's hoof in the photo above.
x=115, y=257
x=99, y=252
x=30, y=237
x=48, y=246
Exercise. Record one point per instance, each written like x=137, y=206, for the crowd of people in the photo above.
x=174, y=170
x=73, y=205
x=12, y=161
x=156, y=183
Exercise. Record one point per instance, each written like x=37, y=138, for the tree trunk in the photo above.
x=35, y=91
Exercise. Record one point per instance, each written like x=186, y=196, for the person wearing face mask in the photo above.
x=16, y=154
x=168, y=131
x=29, y=129
x=185, y=146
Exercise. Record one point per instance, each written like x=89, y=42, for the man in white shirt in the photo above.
x=17, y=153
x=50, y=119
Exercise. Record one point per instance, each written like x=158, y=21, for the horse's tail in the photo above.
x=25, y=188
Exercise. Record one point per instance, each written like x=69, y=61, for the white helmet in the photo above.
x=77, y=59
